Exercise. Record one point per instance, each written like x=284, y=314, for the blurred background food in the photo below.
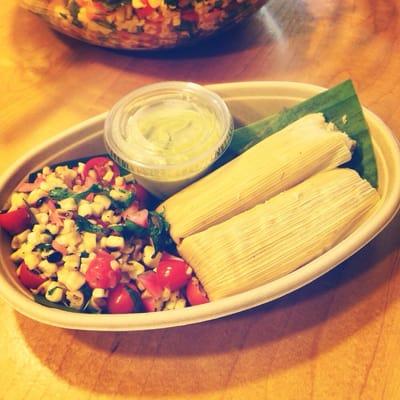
x=142, y=24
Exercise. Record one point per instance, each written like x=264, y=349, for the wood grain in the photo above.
x=337, y=338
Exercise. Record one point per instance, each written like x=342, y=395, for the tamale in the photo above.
x=277, y=163
x=280, y=235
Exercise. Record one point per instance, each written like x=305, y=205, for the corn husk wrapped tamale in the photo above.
x=277, y=163
x=280, y=235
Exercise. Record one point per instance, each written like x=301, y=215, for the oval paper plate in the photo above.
x=248, y=102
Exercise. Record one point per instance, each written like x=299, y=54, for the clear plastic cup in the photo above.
x=168, y=134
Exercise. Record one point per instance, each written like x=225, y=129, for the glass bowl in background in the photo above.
x=142, y=24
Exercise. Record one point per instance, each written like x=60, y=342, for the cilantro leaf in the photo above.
x=95, y=188
x=84, y=224
x=43, y=247
x=52, y=290
x=124, y=203
x=129, y=229
x=159, y=232
x=59, y=193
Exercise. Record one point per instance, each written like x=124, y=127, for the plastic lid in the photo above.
x=168, y=131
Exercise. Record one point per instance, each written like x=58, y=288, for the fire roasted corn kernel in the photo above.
x=49, y=269
x=151, y=259
x=73, y=280
x=68, y=204
x=75, y=299
x=55, y=292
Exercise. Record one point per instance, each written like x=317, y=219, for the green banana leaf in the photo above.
x=339, y=105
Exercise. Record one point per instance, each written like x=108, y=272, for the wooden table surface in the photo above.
x=337, y=338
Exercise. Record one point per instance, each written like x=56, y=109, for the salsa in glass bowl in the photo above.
x=142, y=24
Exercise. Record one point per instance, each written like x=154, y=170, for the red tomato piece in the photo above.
x=195, y=293
x=144, y=12
x=140, y=218
x=130, y=211
x=167, y=256
x=100, y=273
x=16, y=221
x=54, y=217
x=100, y=7
x=100, y=165
x=150, y=282
x=30, y=279
x=123, y=299
x=90, y=197
x=59, y=247
x=149, y=304
x=173, y=272
x=27, y=187
x=189, y=15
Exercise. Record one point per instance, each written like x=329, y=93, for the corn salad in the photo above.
x=83, y=238
x=142, y=24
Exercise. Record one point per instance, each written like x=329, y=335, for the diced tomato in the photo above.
x=124, y=35
x=154, y=27
x=173, y=273
x=212, y=16
x=100, y=7
x=140, y=218
x=59, y=247
x=124, y=298
x=167, y=256
x=144, y=12
x=16, y=221
x=100, y=166
x=88, y=182
x=189, y=15
x=195, y=293
x=27, y=187
x=54, y=217
x=90, y=197
x=95, y=9
x=130, y=211
x=150, y=282
x=149, y=304
x=156, y=17
x=29, y=279
x=100, y=274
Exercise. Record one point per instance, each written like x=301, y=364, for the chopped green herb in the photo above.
x=52, y=290
x=95, y=188
x=105, y=24
x=159, y=232
x=123, y=204
x=84, y=224
x=171, y=3
x=74, y=11
x=129, y=229
x=59, y=193
x=63, y=193
x=44, y=302
x=42, y=247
